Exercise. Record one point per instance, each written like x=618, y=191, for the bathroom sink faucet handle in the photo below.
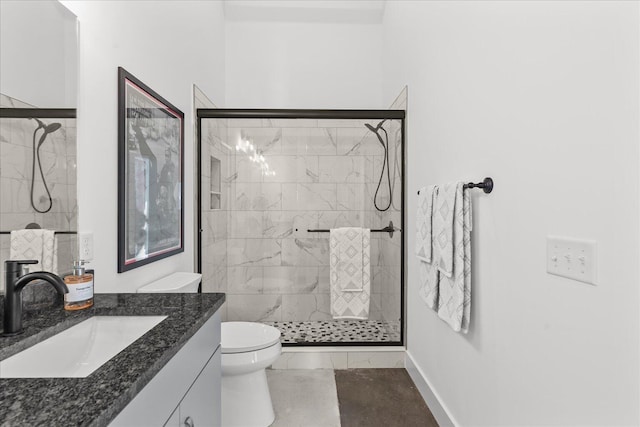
x=17, y=265
x=15, y=281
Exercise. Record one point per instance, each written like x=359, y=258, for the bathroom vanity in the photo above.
x=169, y=376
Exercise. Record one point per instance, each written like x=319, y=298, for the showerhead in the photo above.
x=50, y=128
x=377, y=128
x=46, y=130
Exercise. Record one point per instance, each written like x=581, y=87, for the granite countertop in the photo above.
x=98, y=398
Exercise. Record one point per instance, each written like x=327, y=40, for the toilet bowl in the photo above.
x=247, y=349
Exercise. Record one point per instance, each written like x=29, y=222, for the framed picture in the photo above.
x=150, y=175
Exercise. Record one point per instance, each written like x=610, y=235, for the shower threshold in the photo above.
x=337, y=331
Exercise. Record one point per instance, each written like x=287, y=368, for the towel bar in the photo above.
x=55, y=232
x=486, y=185
x=36, y=226
x=388, y=229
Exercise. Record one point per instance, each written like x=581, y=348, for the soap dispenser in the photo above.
x=80, y=284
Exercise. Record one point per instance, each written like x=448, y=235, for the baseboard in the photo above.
x=430, y=396
x=332, y=358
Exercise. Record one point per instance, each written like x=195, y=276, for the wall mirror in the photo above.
x=38, y=97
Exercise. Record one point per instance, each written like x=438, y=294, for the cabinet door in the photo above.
x=174, y=420
x=201, y=407
x=157, y=400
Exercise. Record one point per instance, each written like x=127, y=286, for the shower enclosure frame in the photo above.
x=40, y=113
x=257, y=113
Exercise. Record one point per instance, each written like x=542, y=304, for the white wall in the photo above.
x=169, y=45
x=543, y=97
x=303, y=65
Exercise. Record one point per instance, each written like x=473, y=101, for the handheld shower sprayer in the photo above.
x=385, y=163
x=46, y=130
x=50, y=128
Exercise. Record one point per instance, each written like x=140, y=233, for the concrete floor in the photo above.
x=304, y=397
x=380, y=397
x=347, y=398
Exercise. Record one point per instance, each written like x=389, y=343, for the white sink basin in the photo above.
x=79, y=350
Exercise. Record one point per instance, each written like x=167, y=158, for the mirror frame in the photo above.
x=141, y=110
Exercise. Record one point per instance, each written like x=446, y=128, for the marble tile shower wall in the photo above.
x=58, y=157
x=322, y=174
x=391, y=248
x=215, y=218
x=389, y=261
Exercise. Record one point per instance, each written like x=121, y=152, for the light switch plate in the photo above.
x=572, y=258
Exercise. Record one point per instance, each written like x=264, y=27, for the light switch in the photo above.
x=572, y=258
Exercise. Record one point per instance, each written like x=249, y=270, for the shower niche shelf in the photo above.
x=214, y=192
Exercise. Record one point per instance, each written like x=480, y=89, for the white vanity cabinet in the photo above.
x=196, y=409
x=187, y=391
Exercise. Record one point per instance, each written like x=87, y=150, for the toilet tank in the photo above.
x=181, y=282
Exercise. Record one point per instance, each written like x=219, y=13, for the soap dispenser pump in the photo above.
x=80, y=284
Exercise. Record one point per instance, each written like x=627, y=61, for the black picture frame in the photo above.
x=150, y=183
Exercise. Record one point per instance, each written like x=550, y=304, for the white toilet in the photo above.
x=247, y=349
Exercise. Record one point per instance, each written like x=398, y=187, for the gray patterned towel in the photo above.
x=35, y=244
x=350, y=271
x=443, y=223
x=424, y=215
x=429, y=289
x=454, y=297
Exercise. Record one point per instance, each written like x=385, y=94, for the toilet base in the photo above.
x=246, y=401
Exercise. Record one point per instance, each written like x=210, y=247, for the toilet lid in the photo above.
x=239, y=337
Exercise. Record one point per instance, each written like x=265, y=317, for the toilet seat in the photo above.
x=244, y=337
x=252, y=361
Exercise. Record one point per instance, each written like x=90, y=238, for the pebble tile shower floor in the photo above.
x=337, y=331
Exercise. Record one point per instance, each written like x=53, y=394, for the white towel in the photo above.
x=442, y=223
x=424, y=217
x=455, y=291
x=35, y=244
x=350, y=272
x=428, y=273
x=429, y=289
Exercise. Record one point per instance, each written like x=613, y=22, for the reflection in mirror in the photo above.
x=38, y=92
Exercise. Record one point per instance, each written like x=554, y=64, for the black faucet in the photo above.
x=13, y=286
